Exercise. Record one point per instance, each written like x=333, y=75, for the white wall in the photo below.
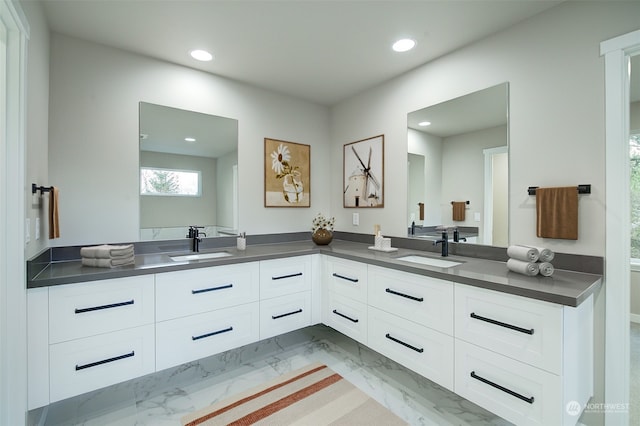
x=93, y=138
x=552, y=63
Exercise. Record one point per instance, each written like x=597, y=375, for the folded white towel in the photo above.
x=521, y=267
x=106, y=251
x=107, y=263
x=523, y=253
x=546, y=269
x=546, y=255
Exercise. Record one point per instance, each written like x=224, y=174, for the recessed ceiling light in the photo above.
x=424, y=123
x=189, y=139
x=201, y=55
x=404, y=45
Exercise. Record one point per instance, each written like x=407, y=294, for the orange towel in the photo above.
x=459, y=210
x=54, y=225
x=557, y=212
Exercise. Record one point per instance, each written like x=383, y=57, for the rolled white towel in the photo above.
x=546, y=269
x=523, y=253
x=546, y=255
x=106, y=251
x=521, y=267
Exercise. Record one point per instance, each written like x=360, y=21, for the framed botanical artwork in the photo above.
x=363, y=173
x=287, y=174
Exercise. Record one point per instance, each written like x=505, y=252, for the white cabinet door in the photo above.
x=90, y=308
x=198, y=336
x=518, y=392
x=523, y=329
x=82, y=365
x=194, y=291
x=424, y=300
x=347, y=316
x=347, y=278
x=421, y=349
x=283, y=314
x=280, y=277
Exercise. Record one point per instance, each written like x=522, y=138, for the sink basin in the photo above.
x=429, y=261
x=199, y=256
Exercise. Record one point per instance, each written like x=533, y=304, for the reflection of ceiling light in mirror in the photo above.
x=189, y=139
x=404, y=45
x=201, y=55
x=424, y=123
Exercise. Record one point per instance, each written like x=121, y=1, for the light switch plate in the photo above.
x=37, y=230
x=27, y=230
x=476, y=216
x=356, y=219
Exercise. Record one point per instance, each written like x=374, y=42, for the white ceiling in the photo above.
x=320, y=51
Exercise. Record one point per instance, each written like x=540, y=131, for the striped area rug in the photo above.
x=314, y=395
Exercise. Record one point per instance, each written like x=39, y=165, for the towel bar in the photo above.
x=466, y=202
x=35, y=188
x=582, y=189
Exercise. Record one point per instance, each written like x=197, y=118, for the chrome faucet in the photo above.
x=194, y=234
x=445, y=243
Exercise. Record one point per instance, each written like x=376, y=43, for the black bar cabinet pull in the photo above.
x=204, y=290
x=353, y=280
x=335, y=311
x=397, y=293
x=390, y=337
x=528, y=399
x=99, y=308
x=282, y=277
x=213, y=333
x=104, y=361
x=502, y=324
x=286, y=315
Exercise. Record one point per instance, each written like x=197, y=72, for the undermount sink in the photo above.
x=199, y=256
x=429, y=261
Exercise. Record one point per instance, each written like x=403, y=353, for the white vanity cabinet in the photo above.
x=411, y=322
x=345, y=305
x=523, y=359
x=99, y=333
x=205, y=311
x=285, y=295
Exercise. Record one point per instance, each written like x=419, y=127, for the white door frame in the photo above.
x=487, y=230
x=617, y=253
x=13, y=295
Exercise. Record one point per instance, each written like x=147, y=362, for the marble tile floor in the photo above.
x=164, y=397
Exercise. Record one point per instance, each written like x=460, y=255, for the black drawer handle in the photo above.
x=99, y=308
x=204, y=290
x=104, y=361
x=397, y=293
x=502, y=388
x=502, y=324
x=213, y=333
x=286, y=315
x=390, y=337
x=335, y=311
x=282, y=277
x=353, y=280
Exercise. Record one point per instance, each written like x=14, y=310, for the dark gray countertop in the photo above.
x=564, y=287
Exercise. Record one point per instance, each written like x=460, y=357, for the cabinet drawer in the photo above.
x=279, y=277
x=523, y=329
x=347, y=278
x=198, y=336
x=427, y=301
x=346, y=315
x=284, y=314
x=183, y=293
x=421, y=349
x=82, y=365
x=90, y=308
x=518, y=392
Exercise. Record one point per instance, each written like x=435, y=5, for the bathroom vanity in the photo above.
x=518, y=346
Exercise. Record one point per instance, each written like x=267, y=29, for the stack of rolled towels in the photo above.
x=530, y=260
x=107, y=256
